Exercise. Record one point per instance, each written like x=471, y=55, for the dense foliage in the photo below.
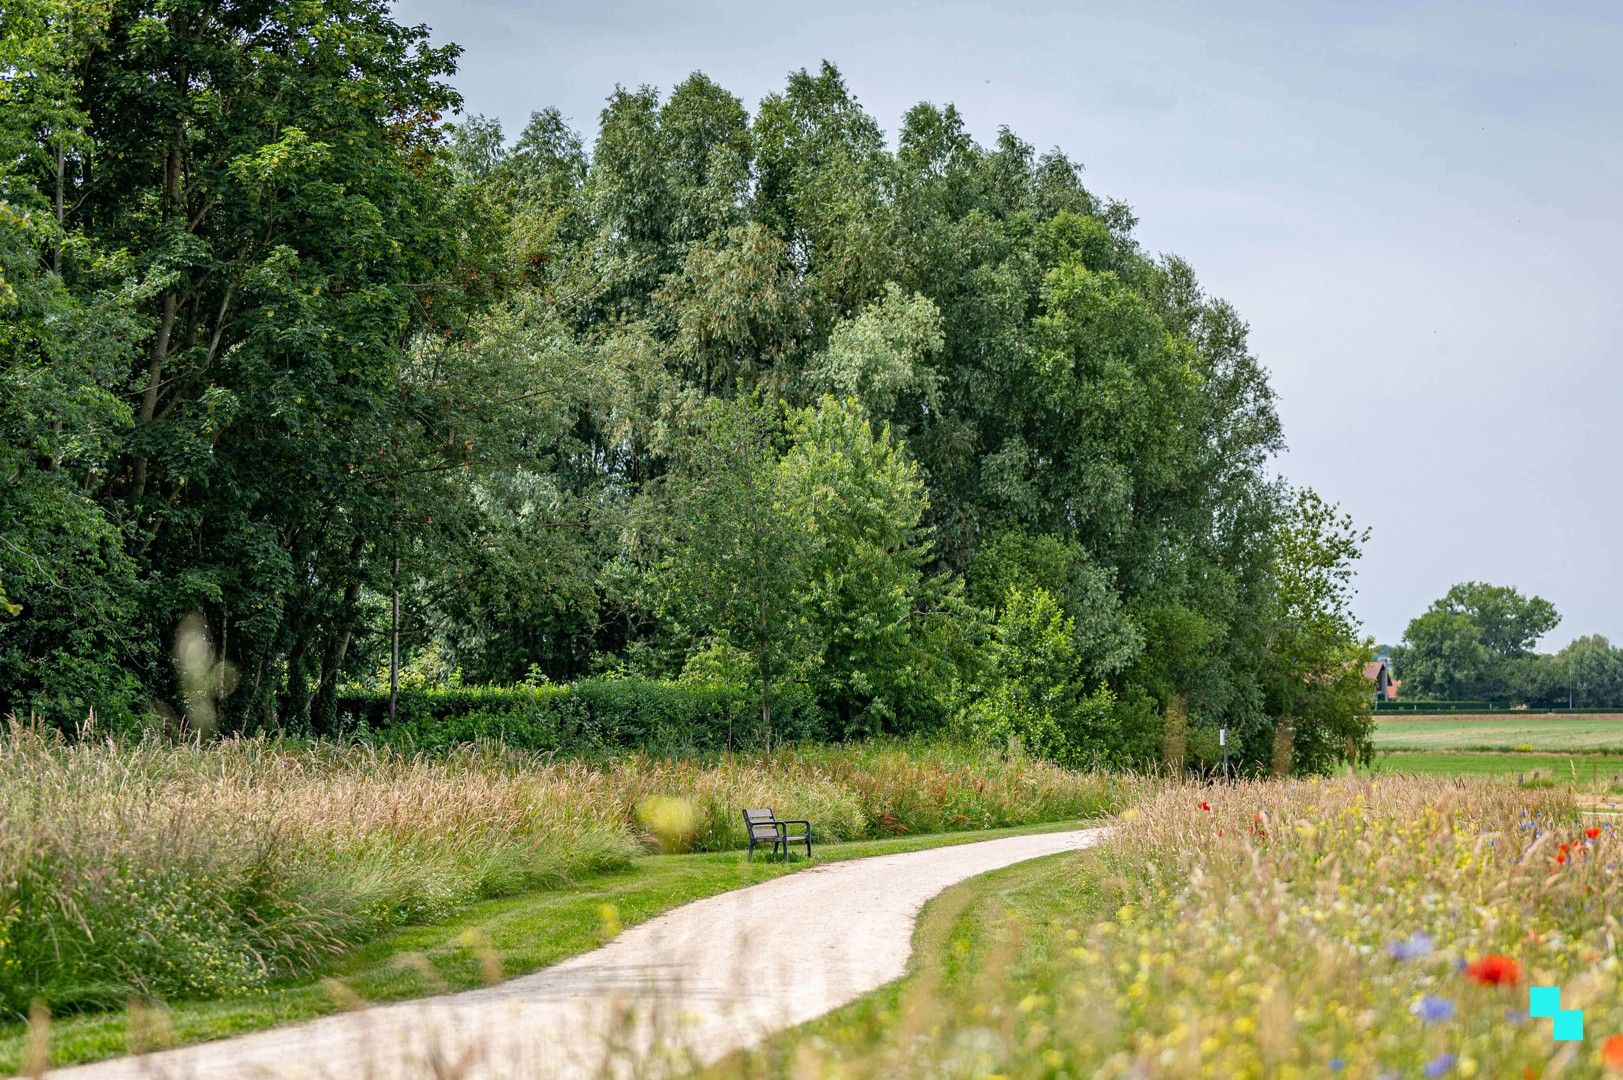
x=1477, y=643
x=744, y=399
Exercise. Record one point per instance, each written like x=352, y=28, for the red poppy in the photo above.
x=1563, y=847
x=1559, y=859
x=1494, y=970
x=1611, y=1052
x=1592, y=832
x=1205, y=806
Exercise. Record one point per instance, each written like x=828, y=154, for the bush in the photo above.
x=1035, y=692
x=590, y=716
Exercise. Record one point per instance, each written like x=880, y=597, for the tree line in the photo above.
x=915, y=425
x=1477, y=643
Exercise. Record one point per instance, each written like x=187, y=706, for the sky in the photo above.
x=1415, y=206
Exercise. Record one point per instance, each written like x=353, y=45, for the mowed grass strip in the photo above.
x=491, y=940
x=1584, y=770
x=1589, y=733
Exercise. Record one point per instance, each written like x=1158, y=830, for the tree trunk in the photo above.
x=1284, y=746
x=394, y=646
x=1175, y=732
x=57, y=203
x=766, y=702
x=56, y=268
x=166, y=326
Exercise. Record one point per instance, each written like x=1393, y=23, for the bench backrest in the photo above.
x=761, y=824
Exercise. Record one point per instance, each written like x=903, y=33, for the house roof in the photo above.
x=1372, y=670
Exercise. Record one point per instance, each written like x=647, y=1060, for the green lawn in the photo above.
x=494, y=939
x=1586, y=769
x=1500, y=732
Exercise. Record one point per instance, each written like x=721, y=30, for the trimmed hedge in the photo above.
x=584, y=717
x=1450, y=708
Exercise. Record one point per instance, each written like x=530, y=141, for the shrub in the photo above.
x=590, y=716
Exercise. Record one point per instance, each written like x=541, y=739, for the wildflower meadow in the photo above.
x=1383, y=927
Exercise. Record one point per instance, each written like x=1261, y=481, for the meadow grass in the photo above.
x=1292, y=929
x=155, y=872
x=1512, y=731
x=492, y=939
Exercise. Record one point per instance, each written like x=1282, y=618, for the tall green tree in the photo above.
x=881, y=623
x=739, y=567
x=1476, y=642
x=1315, y=656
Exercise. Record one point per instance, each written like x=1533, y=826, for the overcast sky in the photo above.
x=1415, y=205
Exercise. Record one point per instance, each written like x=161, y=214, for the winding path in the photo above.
x=686, y=988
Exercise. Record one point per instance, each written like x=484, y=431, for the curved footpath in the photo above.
x=686, y=988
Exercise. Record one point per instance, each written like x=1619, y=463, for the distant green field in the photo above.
x=1501, y=732
x=1586, y=769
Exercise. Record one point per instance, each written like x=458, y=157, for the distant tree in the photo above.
x=1477, y=642
x=1510, y=624
x=1591, y=670
x=1537, y=679
x=1444, y=657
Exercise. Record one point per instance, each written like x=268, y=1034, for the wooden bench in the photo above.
x=764, y=828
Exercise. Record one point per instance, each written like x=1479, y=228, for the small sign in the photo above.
x=1222, y=736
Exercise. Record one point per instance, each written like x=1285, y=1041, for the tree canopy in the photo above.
x=748, y=394
x=1477, y=643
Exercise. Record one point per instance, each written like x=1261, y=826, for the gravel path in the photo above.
x=686, y=988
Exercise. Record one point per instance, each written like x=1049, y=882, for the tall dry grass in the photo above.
x=1353, y=927
x=169, y=872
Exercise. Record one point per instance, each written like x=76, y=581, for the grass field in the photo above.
x=1501, y=732
x=1353, y=927
x=1583, y=769
x=1579, y=751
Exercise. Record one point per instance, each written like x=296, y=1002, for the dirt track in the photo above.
x=686, y=988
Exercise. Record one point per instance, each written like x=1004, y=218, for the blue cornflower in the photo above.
x=1433, y=1009
x=1417, y=945
x=1440, y=1064
x=1336, y=1064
